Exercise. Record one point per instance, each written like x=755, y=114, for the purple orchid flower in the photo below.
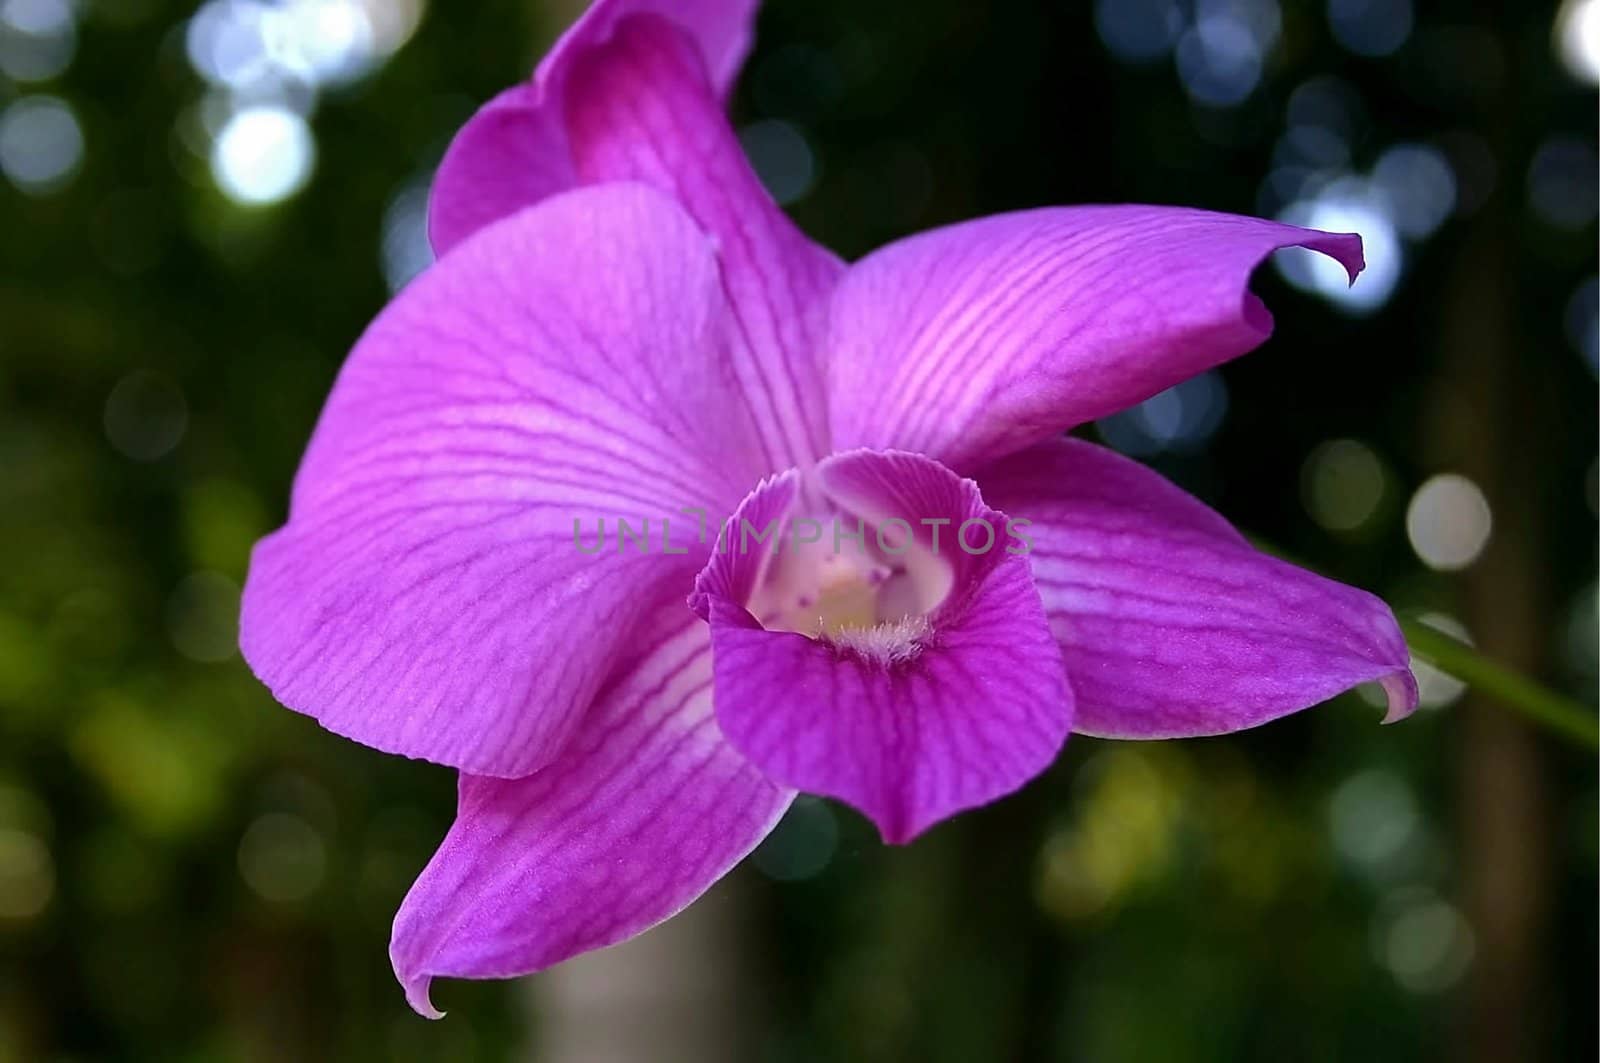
x=623, y=325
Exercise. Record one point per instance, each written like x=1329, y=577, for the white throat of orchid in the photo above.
x=871, y=593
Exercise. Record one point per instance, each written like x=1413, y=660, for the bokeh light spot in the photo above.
x=37, y=38
x=1219, y=61
x=1343, y=484
x=203, y=617
x=1423, y=940
x=1419, y=185
x=282, y=858
x=1129, y=813
x=41, y=144
x=1370, y=27
x=322, y=41
x=1577, y=38
x=145, y=415
x=258, y=49
x=27, y=874
x=1562, y=181
x=1448, y=522
x=1138, y=31
x=781, y=157
x=226, y=42
x=1372, y=818
x=393, y=22
x=802, y=844
x=1181, y=419
x=405, y=250
x=263, y=155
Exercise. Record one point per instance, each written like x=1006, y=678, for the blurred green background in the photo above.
x=202, y=206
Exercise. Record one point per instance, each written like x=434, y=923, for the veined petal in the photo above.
x=721, y=30
x=429, y=595
x=639, y=107
x=514, y=151
x=510, y=155
x=971, y=342
x=909, y=723
x=1170, y=623
x=644, y=810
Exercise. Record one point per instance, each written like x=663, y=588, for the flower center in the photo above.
x=851, y=584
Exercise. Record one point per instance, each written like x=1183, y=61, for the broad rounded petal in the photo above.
x=438, y=590
x=968, y=710
x=971, y=342
x=1170, y=623
x=644, y=810
x=639, y=108
x=514, y=152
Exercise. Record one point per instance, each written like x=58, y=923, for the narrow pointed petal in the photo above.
x=514, y=151
x=975, y=707
x=645, y=809
x=971, y=342
x=1170, y=623
x=640, y=108
x=429, y=595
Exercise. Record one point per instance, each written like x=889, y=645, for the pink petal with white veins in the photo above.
x=514, y=151
x=1170, y=623
x=427, y=596
x=640, y=108
x=970, y=342
x=639, y=815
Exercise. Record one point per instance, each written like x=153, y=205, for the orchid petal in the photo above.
x=973, y=710
x=514, y=151
x=970, y=342
x=644, y=810
x=428, y=595
x=1170, y=623
x=639, y=108
x=510, y=155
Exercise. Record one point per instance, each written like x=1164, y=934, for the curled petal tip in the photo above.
x=1345, y=249
x=416, y=987
x=416, y=996
x=1401, y=687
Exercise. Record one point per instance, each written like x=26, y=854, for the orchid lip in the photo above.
x=871, y=591
x=919, y=676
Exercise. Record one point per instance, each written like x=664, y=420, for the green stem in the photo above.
x=1515, y=691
